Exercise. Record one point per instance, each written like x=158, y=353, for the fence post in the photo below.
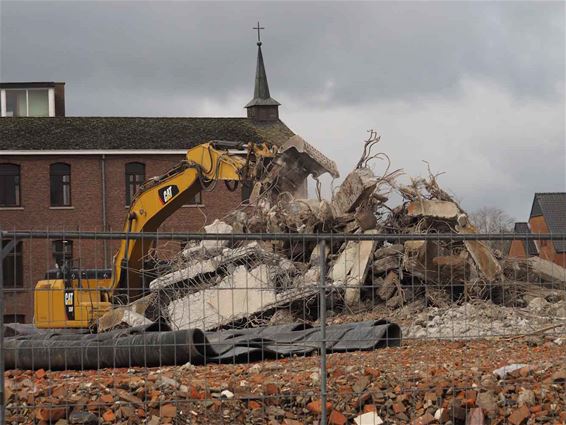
x=2, y=410
x=322, y=318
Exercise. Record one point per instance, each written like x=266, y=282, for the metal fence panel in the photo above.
x=287, y=329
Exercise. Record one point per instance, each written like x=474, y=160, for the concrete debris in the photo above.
x=369, y=418
x=433, y=208
x=312, y=275
x=350, y=269
x=365, y=217
x=547, y=270
x=502, y=372
x=388, y=286
x=385, y=264
x=214, y=284
x=386, y=251
x=238, y=295
x=226, y=394
x=191, y=269
x=121, y=317
x=303, y=215
x=357, y=187
x=211, y=247
x=483, y=256
x=134, y=314
x=217, y=227
x=482, y=319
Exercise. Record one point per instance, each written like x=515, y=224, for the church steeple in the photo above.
x=262, y=107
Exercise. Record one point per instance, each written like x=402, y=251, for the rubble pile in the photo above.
x=488, y=381
x=213, y=284
x=483, y=319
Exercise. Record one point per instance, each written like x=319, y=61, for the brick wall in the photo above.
x=517, y=249
x=86, y=213
x=545, y=248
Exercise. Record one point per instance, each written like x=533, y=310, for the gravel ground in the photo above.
x=451, y=380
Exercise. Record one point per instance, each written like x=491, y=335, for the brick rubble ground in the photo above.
x=453, y=380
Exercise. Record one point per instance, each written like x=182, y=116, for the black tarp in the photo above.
x=158, y=345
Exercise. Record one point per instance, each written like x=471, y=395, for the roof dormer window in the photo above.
x=32, y=99
x=27, y=103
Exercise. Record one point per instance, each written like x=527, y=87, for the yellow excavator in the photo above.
x=74, y=298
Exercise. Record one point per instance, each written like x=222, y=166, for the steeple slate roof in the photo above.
x=261, y=89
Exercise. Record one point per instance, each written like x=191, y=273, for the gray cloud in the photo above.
x=369, y=50
x=476, y=88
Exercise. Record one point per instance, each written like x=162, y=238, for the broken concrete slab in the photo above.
x=312, y=275
x=395, y=249
x=121, y=317
x=302, y=215
x=315, y=254
x=217, y=226
x=355, y=188
x=190, y=271
x=237, y=296
x=432, y=208
x=242, y=294
x=351, y=266
x=482, y=255
x=365, y=216
x=484, y=259
x=133, y=314
x=369, y=418
x=547, y=270
x=385, y=264
x=200, y=268
x=418, y=258
x=388, y=286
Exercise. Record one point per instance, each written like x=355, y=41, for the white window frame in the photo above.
x=3, y=102
x=50, y=100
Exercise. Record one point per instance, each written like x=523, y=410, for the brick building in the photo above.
x=520, y=248
x=70, y=173
x=548, y=215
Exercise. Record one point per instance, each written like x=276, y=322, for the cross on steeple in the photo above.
x=258, y=28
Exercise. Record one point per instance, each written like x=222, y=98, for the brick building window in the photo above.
x=9, y=185
x=196, y=200
x=13, y=267
x=62, y=250
x=60, y=177
x=135, y=176
x=14, y=318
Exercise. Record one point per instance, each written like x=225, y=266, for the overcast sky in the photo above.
x=476, y=89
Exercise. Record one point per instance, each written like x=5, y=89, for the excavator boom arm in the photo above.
x=160, y=197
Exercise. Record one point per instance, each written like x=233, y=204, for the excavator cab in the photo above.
x=71, y=297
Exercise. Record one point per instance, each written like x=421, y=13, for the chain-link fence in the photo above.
x=363, y=328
